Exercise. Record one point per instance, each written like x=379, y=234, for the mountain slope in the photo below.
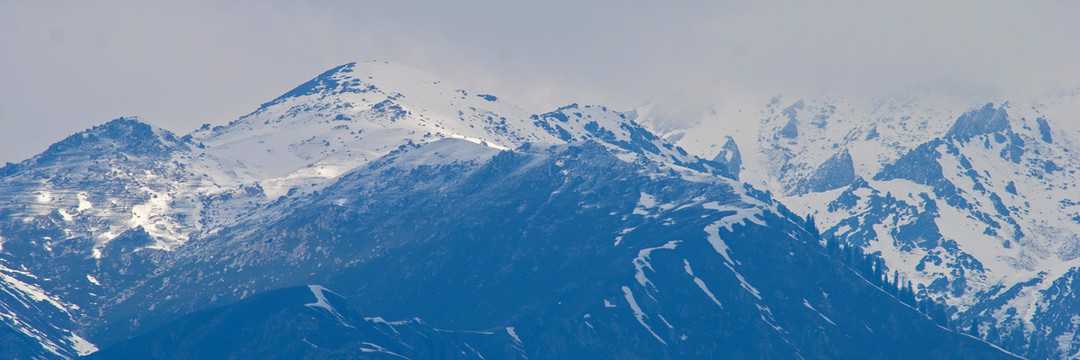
x=584, y=254
x=307, y=322
x=97, y=212
x=974, y=208
x=578, y=228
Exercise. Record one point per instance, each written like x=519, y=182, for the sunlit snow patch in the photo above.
x=321, y=302
x=82, y=346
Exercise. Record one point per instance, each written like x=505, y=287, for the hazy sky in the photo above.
x=67, y=66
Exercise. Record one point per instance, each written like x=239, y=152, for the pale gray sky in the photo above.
x=67, y=66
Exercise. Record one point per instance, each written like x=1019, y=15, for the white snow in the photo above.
x=81, y=346
x=371, y=347
x=20, y=272
x=84, y=202
x=745, y=284
x=30, y=292
x=478, y=141
x=641, y=262
x=150, y=216
x=510, y=330
x=28, y=297
x=741, y=215
x=717, y=243
x=645, y=203
x=701, y=284
x=64, y=215
x=664, y=320
x=320, y=298
x=618, y=239
x=391, y=324
x=26, y=329
x=321, y=302
x=811, y=307
x=638, y=314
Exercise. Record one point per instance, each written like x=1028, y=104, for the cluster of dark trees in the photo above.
x=873, y=269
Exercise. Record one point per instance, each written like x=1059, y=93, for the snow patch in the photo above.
x=638, y=314
x=741, y=215
x=645, y=202
x=321, y=302
x=618, y=239
x=641, y=262
x=370, y=347
x=84, y=202
x=700, y=283
x=32, y=292
x=510, y=330
x=64, y=214
x=479, y=141
x=380, y=320
x=81, y=346
x=808, y=306
x=745, y=284
x=44, y=197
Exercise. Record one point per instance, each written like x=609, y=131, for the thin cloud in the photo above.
x=70, y=66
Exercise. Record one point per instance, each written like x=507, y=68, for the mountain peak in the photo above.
x=377, y=77
x=126, y=135
x=357, y=112
x=986, y=120
x=329, y=80
x=354, y=77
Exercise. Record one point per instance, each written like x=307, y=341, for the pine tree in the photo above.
x=895, y=285
x=832, y=246
x=908, y=294
x=811, y=225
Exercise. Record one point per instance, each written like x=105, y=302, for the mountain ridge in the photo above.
x=976, y=206
x=330, y=181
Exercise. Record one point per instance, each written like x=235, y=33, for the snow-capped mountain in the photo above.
x=972, y=204
x=98, y=211
x=174, y=187
x=412, y=198
x=358, y=112
x=568, y=244
x=784, y=141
